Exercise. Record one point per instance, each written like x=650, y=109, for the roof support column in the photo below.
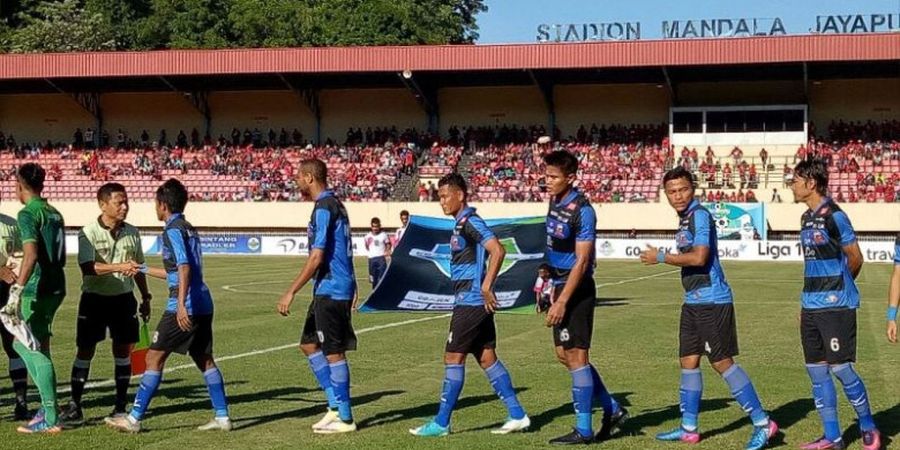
x=670, y=86
x=310, y=98
x=199, y=100
x=427, y=99
x=546, y=89
x=90, y=102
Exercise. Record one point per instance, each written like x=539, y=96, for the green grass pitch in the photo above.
x=397, y=371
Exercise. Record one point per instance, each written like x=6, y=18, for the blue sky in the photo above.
x=509, y=21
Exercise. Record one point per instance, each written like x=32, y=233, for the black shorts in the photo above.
x=97, y=313
x=577, y=327
x=377, y=267
x=708, y=330
x=198, y=341
x=471, y=330
x=328, y=324
x=828, y=335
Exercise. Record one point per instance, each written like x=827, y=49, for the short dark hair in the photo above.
x=816, y=170
x=404, y=213
x=544, y=266
x=376, y=220
x=316, y=168
x=107, y=190
x=562, y=160
x=32, y=175
x=679, y=172
x=455, y=180
x=173, y=194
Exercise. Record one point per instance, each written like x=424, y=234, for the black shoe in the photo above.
x=573, y=438
x=21, y=412
x=118, y=411
x=72, y=415
x=610, y=423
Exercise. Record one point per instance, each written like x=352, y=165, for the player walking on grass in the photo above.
x=829, y=301
x=38, y=290
x=472, y=329
x=186, y=325
x=707, y=315
x=328, y=331
x=110, y=255
x=571, y=232
x=11, y=244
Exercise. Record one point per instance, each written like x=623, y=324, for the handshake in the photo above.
x=130, y=268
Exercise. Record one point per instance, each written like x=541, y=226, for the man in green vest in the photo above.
x=109, y=255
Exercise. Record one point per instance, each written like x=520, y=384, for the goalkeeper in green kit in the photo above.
x=37, y=291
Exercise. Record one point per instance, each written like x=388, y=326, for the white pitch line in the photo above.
x=632, y=280
x=267, y=350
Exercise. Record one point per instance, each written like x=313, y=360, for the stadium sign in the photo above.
x=714, y=28
x=859, y=23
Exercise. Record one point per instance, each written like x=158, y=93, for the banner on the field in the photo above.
x=213, y=243
x=739, y=221
x=418, y=277
x=872, y=251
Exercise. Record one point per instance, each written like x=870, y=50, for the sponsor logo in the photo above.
x=440, y=255
x=287, y=245
x=253, y=244
x=606, y=248
x=571, y=206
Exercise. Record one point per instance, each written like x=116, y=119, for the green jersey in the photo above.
x=42, y=225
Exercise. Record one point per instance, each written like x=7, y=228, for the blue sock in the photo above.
x=743, y=391
x=149, y=383
x=340, y=379
x=216, y=387
x=503, y=386
x=825, y=397
x=319, y=366
x=582, y=398
x=691, y=392
x=607, y=402
x=454, y=378
x=856, y=394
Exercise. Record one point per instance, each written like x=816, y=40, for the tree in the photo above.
x=61, y=26
x=271, y=23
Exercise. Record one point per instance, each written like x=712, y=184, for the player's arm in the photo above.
x=180, y=251
x=317, y=244
x=140, y=279
x=849, y=245
x=496, y=253
x=388, y=248
x=894, y=296
x=697, y=256
x=584, y=253
x=28, y=231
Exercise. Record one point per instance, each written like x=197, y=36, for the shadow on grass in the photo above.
x=313, y=410
x=611, y=301
x=428, y=410
x=785, y=416
x=888, y=423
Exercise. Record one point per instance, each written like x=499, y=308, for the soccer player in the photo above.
x=707, y=315
x=472, y=329
x=110, y=255
x=378, y=247
x=328, y=331
x=894, y=295
x=404, y=221
x=829, y=301
x=18, y=374
x=571, y=232
x=39, y=289
x=186, y=325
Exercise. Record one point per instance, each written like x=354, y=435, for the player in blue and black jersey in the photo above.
x=571, y=232
x=328, y=331
x=186, y=325
x=472, y=329
x=894, y=295
x=707, y=315
x=829, y=301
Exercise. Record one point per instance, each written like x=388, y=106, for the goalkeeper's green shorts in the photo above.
x=39, y=313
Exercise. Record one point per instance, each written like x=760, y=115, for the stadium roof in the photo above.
x=781, y=57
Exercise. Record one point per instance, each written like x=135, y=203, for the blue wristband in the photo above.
x=661, y=257
x=892, y=313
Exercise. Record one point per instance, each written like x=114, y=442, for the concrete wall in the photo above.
x=40, y=117
x=618, y=216
x=261, y=109
x=135, y=112
x=578, y=105
x=520, y=105
x=877, y=99
x=734, y=93
x=361, y=108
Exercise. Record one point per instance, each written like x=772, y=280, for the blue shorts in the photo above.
x=377, y=267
